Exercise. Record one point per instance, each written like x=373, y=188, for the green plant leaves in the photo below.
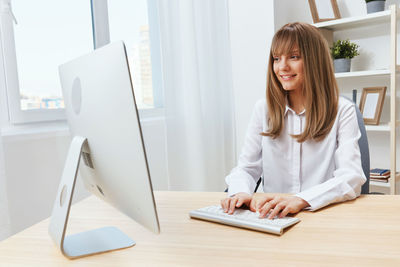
x=344, y=49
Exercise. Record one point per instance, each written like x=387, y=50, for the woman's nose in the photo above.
x=283, y=64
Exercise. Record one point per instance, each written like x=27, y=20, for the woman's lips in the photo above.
x=287, y=77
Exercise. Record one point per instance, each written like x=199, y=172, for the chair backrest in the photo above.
x=364, y=150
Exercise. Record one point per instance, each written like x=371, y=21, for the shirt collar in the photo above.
x=289, y=108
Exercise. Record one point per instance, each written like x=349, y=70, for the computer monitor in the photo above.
x=107, y=147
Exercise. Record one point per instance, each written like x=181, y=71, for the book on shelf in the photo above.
x=377, y=171
x=379, y=176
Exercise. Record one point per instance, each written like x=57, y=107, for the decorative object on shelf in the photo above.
x=324, y=10
x=342, y=52
x=371, y=104
x=375, y=6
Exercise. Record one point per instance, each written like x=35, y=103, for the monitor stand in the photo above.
x=85, y=243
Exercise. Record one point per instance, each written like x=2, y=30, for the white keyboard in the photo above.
x=244, y=219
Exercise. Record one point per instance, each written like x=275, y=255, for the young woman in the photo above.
x=303, y=139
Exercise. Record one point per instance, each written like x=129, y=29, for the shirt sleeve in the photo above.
x=244, y=176
x=348, y=176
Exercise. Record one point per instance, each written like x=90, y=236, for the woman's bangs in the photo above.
x=283, y=42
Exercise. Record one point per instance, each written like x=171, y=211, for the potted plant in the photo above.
x=375, y=5
x=342, y=52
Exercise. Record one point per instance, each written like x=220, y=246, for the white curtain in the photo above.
x=198, y=93
x=4, y=215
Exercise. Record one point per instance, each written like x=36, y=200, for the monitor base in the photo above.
x=96, y=241
x=86, y=243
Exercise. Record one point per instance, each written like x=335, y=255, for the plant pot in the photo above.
x=375, y=6
x=342, y=64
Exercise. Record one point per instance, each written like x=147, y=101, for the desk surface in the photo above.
x=362, y=232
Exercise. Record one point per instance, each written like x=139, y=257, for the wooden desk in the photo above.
x=363, y=232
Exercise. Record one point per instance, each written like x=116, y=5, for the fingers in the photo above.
x=273, y=206
x=285, y=212
x=266, y=208
x=276, y=206
x=261, y=201
x=228, y=204
x=225, y=204
x=276, y=210
x=252, y=205
x=232, y=205
x=239, y=202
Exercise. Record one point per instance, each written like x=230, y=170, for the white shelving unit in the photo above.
x=388, y=17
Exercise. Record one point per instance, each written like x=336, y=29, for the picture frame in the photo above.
x=324, y=10
x=371, y=104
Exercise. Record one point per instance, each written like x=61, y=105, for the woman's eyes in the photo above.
x=291, y=57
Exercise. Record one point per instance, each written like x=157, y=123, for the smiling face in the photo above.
x=289, y=70
x=300, y=74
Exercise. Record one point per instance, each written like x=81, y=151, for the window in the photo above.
x=129, y=21
x=47, y=34
x=38, y=36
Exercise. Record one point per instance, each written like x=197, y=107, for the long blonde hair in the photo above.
x=320, y=90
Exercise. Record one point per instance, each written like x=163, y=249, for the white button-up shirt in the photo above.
x=321, y=172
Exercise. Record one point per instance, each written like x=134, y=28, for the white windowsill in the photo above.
x=60, y=128
x=35, y=130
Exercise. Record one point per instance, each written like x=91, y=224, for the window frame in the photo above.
x=15, y=114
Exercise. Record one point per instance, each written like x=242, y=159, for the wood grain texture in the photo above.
x=362, y=232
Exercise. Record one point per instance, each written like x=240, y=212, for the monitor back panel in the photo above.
x=100, y=106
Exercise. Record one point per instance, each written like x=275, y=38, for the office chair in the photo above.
x=364, y=151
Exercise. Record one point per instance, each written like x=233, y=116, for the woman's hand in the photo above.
x=230, y=203
x=282, y=205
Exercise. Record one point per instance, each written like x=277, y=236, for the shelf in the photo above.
x=380, y=184
x=363, y=73
x=378, y=128
x=360, y=21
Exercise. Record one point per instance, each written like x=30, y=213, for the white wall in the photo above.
x=4, y=213
x=251, y=31
x=33, y=167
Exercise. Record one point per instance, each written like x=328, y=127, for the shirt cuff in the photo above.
x=240, y=182
x=311, y=200
x=239, y=186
